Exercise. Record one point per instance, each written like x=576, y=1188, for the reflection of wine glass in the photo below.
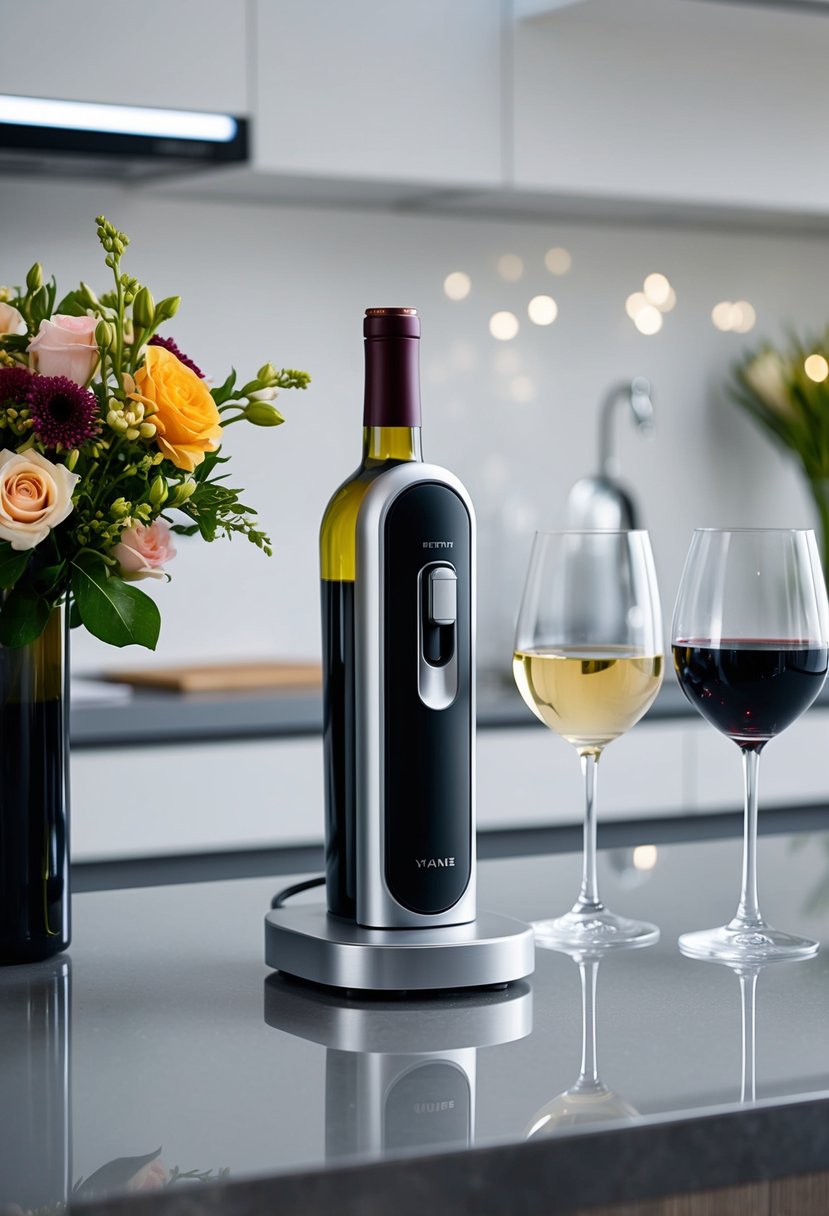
x=750, y=641
x=588, y=1100
x=588, y=662
x=747, y=974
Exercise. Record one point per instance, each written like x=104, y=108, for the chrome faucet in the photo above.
x=600, y=501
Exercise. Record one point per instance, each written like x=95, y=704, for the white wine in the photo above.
x=588, y=695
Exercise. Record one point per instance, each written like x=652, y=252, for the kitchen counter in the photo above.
x=161, y=1042
x=167, y=718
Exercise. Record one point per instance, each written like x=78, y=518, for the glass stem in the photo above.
x=748, y=998
x=588, y=900
x=748, y=913
x=588, y=1073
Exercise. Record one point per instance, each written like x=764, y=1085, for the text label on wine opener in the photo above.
x=438, y=544
x=434, y=863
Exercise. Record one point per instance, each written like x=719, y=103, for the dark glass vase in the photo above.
x=34, y=797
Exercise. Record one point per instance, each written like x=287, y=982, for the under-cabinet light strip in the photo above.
x=116, y=120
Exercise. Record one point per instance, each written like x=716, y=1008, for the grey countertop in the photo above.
x=161, y=1042
x=158, y=718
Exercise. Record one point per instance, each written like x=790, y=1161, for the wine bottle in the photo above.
x=391, y=435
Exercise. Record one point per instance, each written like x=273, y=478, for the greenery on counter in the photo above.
x=787, y=392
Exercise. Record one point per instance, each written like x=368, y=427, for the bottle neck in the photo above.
x=392, y=398
x=384, y=443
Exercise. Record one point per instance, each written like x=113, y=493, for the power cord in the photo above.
x=281, y=898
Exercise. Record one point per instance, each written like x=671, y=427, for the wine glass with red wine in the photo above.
x=751, y=647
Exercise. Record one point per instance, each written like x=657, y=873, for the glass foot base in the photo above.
x=747, y=945
x=593, y=930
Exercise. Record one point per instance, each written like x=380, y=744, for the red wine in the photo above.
x=751, y=689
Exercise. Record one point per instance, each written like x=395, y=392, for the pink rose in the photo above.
x=35, y=496
x=143, y=551
x=151, y=1177
x=11, y=321
x=65, y=346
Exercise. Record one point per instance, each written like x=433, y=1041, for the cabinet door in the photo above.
x=530, y=778
x=185, y=55
x=664, y=101
x=145, y=802
x=794, y=768
x=379, y=89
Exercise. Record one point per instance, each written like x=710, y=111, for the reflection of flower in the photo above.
x=151, y=1177
x=134, y=1174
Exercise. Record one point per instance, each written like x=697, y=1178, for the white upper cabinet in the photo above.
x=679, y=102
x=185, y=54
x=380, y=90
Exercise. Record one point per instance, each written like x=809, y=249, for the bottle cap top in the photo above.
x=391, y=323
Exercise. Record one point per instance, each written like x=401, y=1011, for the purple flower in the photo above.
x=62, y=412
x=170, y=345
x=14, y=385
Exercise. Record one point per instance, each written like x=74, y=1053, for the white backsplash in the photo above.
x=290, y=285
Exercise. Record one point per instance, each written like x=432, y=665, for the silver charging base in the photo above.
x=308, y=943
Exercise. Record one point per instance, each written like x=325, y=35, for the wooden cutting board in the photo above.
x=223, y=677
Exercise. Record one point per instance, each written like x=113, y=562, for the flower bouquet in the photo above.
x=787, y=392
x=109, y=443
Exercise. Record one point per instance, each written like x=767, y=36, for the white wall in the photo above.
x=264, y=282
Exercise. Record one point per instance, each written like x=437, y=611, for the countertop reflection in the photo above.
x=162, y=1051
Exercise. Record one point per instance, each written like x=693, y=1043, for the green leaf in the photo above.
x=73, y=304
x=45, y=578
x=112, y=610
x=12, y=564
x=225, y=391
x=75, y=621
x=23, y=617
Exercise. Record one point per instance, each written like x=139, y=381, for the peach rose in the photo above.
x=35, y=496
x=185, y=414
x=144, y=550
x=65, y=346
x=11, y=321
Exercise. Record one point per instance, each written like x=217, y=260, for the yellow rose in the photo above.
x=185, y=414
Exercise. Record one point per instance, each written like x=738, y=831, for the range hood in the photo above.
x=81, y=138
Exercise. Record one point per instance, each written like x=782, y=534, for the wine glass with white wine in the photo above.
x=589, y=662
